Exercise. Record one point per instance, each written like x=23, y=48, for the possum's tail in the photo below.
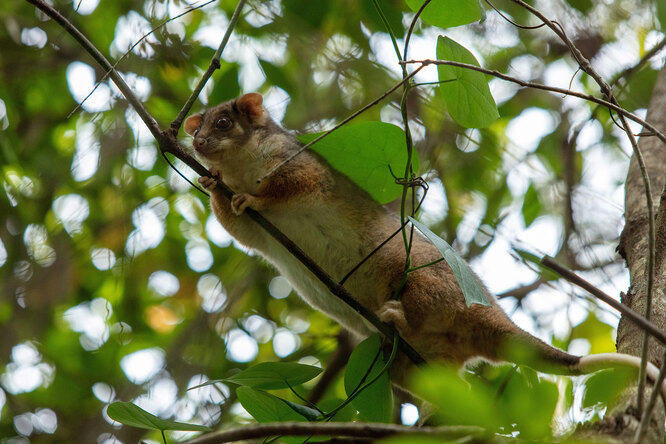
x=532, y=352
x=592, y=363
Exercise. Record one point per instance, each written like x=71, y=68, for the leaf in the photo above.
x=366, y=152
x=276, y=76
x=306, y=11
x=132, y=415
x=455, y=401
x=226, y=86
x=374, y=403
x=347, y=413
x=448, y=13
x=597, y=333
x=583, y=6
x=274, y=375
x=661, y=13
x=606, y=386
x=265, y=407
x=468, y=98
x=529, y=403
x=309, y=413
x=472, y=290
x=531, y=206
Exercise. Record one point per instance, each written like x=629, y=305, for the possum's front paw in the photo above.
x=393, y=313
x=239, y=202
x=209, y=182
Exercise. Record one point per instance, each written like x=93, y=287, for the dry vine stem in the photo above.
x=168, y=143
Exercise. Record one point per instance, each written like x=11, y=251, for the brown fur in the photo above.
x=338, y=224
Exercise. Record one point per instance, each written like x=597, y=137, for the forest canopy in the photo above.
x=117, y=283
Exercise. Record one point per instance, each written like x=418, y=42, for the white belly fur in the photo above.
x=317, y=232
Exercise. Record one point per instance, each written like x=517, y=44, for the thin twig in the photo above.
x=541, y=86
x=646, y=57
x=511, y=21
x=411, y=28
x=391, y=34
x=378, y=247
x=214, y=64
x=345, y=121
x=115, y=65
x=104, y=63
x=350, y=429
x=582, y=61
x=630, y=314
x=522, y=291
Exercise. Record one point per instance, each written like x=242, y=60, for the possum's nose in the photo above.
x=199, y=143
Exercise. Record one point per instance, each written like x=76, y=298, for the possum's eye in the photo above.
x=223, y=123
x=196, y=131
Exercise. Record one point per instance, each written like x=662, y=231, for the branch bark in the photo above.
x=350, y=429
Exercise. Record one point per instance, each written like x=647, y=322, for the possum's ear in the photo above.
x=192, y=123
x=250, y=105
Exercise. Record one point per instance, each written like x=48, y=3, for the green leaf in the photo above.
x=306, y=11
x=226, y=86
x=448, y=13
x=529, y=403
x=133, y=415
x=606, y=386
x=597, y=333
x=265, y=407
x=531, y=206
x=468, y=98
x=661, y=13
x=469, y=284
x=374, y=403
x=274, y=375
x=347, y=413
x=309, y=413
x=583, y=6
x=367, y=152
x=454, y=399
x=276, y=76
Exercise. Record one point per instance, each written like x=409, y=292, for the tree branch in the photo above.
x=522, y=291
x=350, y=429
x=638, y=319
x=168, y=143
x=566, y=92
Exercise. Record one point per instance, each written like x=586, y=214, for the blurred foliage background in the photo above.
x=117, y=283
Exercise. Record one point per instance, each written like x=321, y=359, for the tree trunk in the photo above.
x=623, y=420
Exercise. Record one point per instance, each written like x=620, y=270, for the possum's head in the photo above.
x=227, y=126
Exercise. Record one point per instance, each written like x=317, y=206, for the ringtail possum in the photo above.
x=338, y=224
